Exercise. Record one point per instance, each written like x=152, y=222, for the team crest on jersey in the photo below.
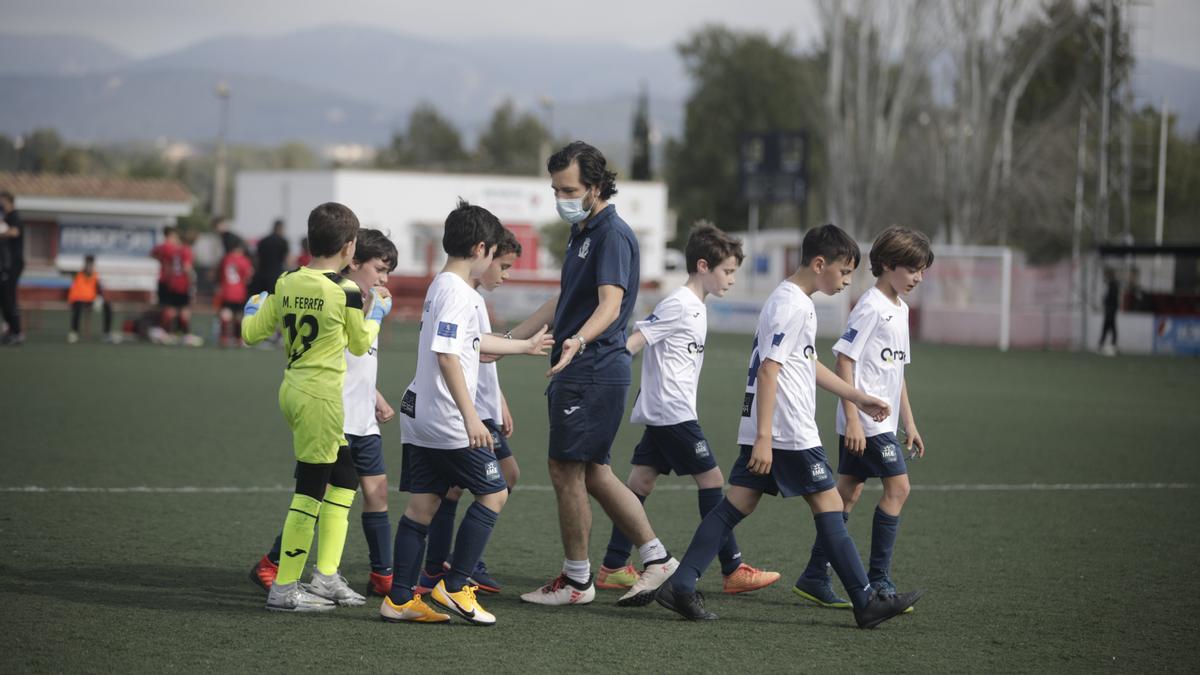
x=491, y=470
x=702, y=449
x=888, y=453
x=818, y=471
x=585, y=248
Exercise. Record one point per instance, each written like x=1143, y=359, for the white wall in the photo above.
x=263, y=196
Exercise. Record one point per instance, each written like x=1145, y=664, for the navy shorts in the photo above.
x=430, y=470
x=367, y=452
x=883, y=458
x=499, y=442
x=793, y=473
x=584, y=420
x=681, y=448
x=169, y=298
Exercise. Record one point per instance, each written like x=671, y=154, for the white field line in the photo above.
x=672, y=487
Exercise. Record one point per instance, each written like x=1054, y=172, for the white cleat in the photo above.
x=642, y=592
x=561, y=591
x=334, y=587
x=295, y=597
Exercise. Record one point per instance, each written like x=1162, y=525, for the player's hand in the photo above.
x=383, y=411
x=855, y=440
x=479, y=435
x=254, y=303
x=380, y=304
x=913, y=442
x=540, y=343
x=875, y=408
x=569, y=349
x=506, y=420
x=488, y=358
x=761, y=457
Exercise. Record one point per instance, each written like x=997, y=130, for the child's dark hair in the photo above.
x=169, y=230
x=508, y=244
x=708, y=243
x=89, y=259
x=593, y=168
x=900, y=247
x=831, y=243
x=374, y=244
x=330, y=227
x=468, y=225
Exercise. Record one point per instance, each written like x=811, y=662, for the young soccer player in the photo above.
x=493, y=408
x=673, y=337
x=365, y=409
x=233, y=274
x=445, y=441
x=322, y=315
x=85, y=290
x=780, y=448
x=871, y=355
x=175, y=278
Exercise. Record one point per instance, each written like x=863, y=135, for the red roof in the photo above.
x=93, y=187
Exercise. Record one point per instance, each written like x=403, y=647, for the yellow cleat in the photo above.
x=414, y=610
x=462, y=603
x=746, y=578
x=619, y=578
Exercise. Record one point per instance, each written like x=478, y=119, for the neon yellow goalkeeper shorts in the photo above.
x=316, y=425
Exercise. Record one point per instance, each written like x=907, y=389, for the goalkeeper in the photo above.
x=321, y=315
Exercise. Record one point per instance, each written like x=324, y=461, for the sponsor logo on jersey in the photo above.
x=818, y=471
x=585, y=248
x=747, y=404
x=889, y=355
x=850, y=334
x=491, y=470
x=777, y=339
x=694, y=348
x=475, y=344
x=888, y=453
x=810, y=352
x=702, y=449
x=447, y=330
x=408, y=404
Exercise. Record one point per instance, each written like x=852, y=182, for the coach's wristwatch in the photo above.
x=582, y=342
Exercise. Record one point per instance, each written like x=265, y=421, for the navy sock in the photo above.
x=378, y=530
x=473, y=535
x=815, y=570
x=619, y=546
x=839, y=548
x=409, y=547
x=273, y=554
x=705, y=543
x=730, y=555
x=883, y=540
x=441, y=533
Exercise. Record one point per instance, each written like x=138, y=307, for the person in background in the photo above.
x=86, y=291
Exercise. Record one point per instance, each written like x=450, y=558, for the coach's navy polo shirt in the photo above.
x=604, y=253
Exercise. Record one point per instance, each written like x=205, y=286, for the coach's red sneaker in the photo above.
x=379, y=584
x=264, y=572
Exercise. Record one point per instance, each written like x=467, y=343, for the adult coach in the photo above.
x=590, y=376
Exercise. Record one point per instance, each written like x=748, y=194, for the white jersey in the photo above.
x=786, y=334
x=487, y=396
x=675, y=333
x=876, y=338
x=358, y=392
x=449, y=325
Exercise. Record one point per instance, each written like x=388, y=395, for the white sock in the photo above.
x=652, y=550
x=579, y=571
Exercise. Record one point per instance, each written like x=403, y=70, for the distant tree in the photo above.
x=640, y=165
x=8, y=154
x=42, y=152
x=512, y=143
x=431, y=142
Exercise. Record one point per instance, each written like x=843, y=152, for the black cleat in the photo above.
x=880, y=608
x=688, y=605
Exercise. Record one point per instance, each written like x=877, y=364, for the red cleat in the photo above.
x=264, y=572
x=379, y=584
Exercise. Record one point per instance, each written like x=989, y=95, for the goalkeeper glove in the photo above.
x=380, y=306
x=254, y=303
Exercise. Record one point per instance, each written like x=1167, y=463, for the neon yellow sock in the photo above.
x=335, y=520
x=297, y=538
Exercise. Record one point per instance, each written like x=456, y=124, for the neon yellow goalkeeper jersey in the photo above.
x=321, y=316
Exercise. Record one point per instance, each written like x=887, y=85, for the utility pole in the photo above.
x=219, y=172
x=1079, y=275
x=1105, y=86
x=1162, y=173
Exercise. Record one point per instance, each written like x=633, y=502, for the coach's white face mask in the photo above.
x=572, y=211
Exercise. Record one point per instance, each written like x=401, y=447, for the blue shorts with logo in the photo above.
x=584, y=420
x=793, y=472
x=367, y=452
x=681, y=448
x=499, y=442
x=883, y=458
x=430, y=470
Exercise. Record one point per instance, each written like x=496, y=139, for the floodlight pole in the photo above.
x=1079, y=276
x=219, y=171
x=1162, y=173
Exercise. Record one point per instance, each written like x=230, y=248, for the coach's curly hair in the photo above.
x=593, y=168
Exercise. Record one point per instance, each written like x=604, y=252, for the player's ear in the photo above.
x=702, y=266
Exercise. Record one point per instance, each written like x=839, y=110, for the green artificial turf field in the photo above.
x=1052, y=523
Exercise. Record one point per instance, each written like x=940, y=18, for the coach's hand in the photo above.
x=570, y=347
x=479, y=435
x=876, y=409
x=254, y=303
x=761, y=457
x=855, y=439
x=381, y=304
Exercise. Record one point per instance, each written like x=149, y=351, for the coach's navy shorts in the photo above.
x=681, y=448
x=584, y=420
x=793, y=472
x=884, y=457
x=430, y=470
x=499, y=442
x=367, y=452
